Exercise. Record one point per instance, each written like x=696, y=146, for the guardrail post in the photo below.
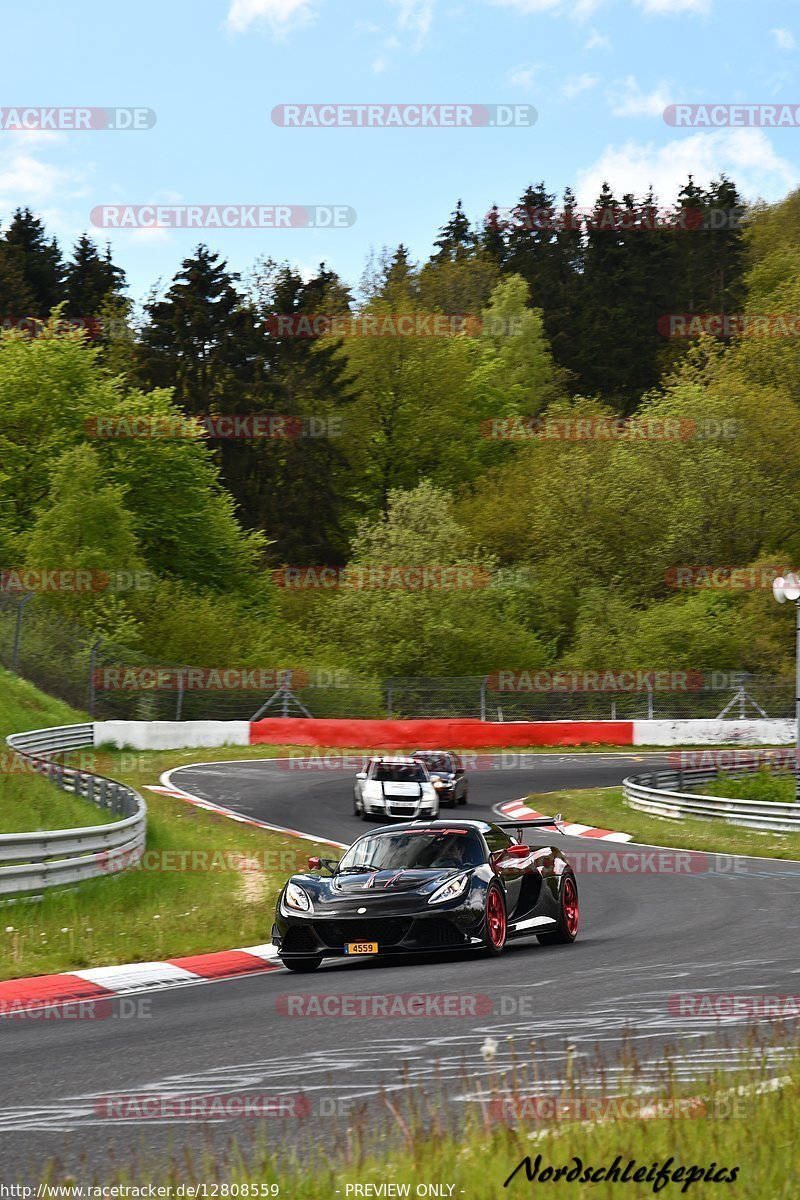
x=18, y=631
x=92, y=661
x=483, y=698
x=389, y=699
x=179, y=701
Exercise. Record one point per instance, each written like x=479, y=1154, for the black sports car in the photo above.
x=427, y=885
x=447, y=776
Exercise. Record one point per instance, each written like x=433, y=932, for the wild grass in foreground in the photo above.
x=728, y=1134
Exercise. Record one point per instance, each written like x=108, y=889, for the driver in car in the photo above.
x=454, y=853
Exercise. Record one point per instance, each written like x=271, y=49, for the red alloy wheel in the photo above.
x=496, y=919
x=569, y=899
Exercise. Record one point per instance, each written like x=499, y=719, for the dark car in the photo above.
x=447, y=776
x=427, y=886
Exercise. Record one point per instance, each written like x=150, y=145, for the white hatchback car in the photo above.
x=395, y=787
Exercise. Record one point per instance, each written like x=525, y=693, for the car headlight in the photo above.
x=295, y=897
x=437, y=781
x=449, y=890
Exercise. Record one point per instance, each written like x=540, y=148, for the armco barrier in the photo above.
x=661, y=794
x=433, y=735
x=759, y=732
x=457, y=733
x=34, y=861
x=171, y=735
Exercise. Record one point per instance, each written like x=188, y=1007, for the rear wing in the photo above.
x=557, y=821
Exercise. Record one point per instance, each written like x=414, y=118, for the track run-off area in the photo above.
x=656, y=933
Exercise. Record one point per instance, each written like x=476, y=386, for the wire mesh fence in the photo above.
x=115, y=682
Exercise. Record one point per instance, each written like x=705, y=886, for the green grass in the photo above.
x=139, y=914
x=28, y=802
x=763, y=786
x=606, y=808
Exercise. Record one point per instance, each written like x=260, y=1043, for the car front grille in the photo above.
x=437, y=931
x=385, y=933
x=396, y=808
x=299, y=940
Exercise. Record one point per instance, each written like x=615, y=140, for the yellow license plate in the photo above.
x=361, y=948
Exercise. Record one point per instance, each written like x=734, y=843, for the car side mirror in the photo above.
x=320, y=864
x=361, y=774
x=517, y=851
x=500, y=857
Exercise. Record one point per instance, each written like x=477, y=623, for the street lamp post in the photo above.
x=784, y=589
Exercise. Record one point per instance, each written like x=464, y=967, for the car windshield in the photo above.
x=415, y=848
x=400, y=773
x=437, y=762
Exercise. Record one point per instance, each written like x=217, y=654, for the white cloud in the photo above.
x=597, y=41
x=784, y=39
x=149, y=234
x=662, y=8
x=745, y=155
x=280, y=16
x=415, y=16
x=380, y=64
x=523, y=76
x=575, y=84
x=25, y=179
x=579, y=9
x=631, y=101
x=36, y=137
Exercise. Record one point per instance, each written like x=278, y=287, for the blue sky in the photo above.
x=599, y=72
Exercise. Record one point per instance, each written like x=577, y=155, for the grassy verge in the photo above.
x=606, y=808
x=28, y=802
x=763, y=786
x=207, y=884
x=740, y=1128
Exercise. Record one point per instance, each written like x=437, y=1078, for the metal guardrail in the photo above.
x=662, y=794
x=31, y=861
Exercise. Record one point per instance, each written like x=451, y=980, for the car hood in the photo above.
x=408, y=880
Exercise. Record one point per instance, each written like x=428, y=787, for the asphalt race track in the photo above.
x=726, y=926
